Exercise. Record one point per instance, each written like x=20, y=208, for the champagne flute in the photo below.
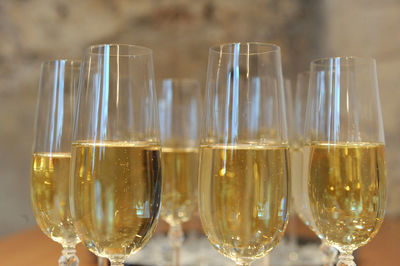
x=299, y=180
x=52, y=154
x=179, y=108
x=243, y=169
x=115, y=163
x=344, y=153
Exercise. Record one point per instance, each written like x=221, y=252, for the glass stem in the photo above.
x=346, y=259
x=117, y=263
x=68, y=257
x=175, y=237
x=329, y=254
x=102, y=261
x=117, y=260
x=267, y=260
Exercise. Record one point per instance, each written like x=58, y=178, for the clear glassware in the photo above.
x=243, y=172
x=344, y=153
x=299, y=181
x=52, y=154
x=116, y=177
x=179, y=103
x=289, y=104
x=290, y=237
x=299, y=188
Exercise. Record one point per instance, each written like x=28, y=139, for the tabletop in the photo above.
x=32, y=247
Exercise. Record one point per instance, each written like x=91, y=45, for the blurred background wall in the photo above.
x=180, y=33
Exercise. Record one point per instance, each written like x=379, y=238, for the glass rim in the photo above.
x=70, y=62
x=219, y=49
x=324, y=61
x=132, y=50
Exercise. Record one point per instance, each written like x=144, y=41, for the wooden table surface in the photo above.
x=31, y=247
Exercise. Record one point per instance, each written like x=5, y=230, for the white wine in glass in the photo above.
x=344, y=159
x=116, y=164
x=244, y=160
x=243, y=191
x=52, y=154
x=50, y=198
x=179, y=196
x=122, y=174
x=347, y=191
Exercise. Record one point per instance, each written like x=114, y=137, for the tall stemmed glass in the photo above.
x=299, y=180
x=243, y=172
x=115, y=165
x=52, y=154
x=179, y=107
x=300, y=200
x=344, y=153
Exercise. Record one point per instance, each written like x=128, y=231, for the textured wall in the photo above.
x=180, y=33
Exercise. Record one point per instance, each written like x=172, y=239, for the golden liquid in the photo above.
x=116, y=190
x=347, y=190
x=243, y=198
x=179, y=192
x=50, y=196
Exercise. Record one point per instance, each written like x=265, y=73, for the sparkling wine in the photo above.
x=347, y=190
x=116, y=188
x=50, y=196
x=179, y=192
x=243, y=199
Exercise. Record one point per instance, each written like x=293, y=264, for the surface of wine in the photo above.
x=347, y=190
x=243, y=197
x=116, y=191
x=50, y=196
x=179, y=191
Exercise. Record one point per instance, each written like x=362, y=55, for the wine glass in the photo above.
x=243, y=169
x=300, y=181
x=52, y=154
x=179, y=111
x=115, y=165
x=291, y=228
x=344, y=153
